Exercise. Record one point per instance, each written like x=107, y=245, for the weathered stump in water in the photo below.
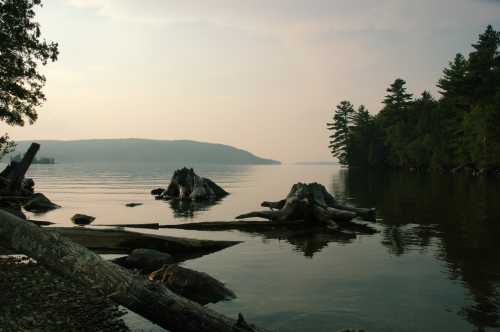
x=17, y=191
x=313, y=204
x=187, y=185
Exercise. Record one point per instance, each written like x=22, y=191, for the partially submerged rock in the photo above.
x=133, y=204
x=39, y=203
x=82, y=219
x=146, y=260
x=194, y=285
x=187, y=185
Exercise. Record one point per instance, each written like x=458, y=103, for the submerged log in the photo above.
x=243, y=225
x=264, y=225
x=313, y=204
x=152, y=300
x=187, y=185
x=117, y=241
x=145, y=226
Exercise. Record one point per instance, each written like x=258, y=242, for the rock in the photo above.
x=148, y=260
x=12, y=208
x=194, y=285
x=27, y=186
x=133, y=204
x=82, y=219
x=157, y=191
x=39, y=203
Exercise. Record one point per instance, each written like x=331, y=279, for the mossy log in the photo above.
x=152, y=300
x=314, y=205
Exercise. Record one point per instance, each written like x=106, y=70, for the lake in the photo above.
x=434, y=266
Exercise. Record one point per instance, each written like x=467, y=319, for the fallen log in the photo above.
x=264, y=225
x=145, y=226
x=152, y=300
x=117, y=241
x=243, y=225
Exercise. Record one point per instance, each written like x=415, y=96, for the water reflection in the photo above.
x=183, y=208
x=307, y=242
x=461, y=214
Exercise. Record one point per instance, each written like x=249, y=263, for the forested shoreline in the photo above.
x=457, y=132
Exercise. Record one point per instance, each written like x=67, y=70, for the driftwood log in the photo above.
x=187, y=185
x=313, y=204
x=152, y=300
x=117, y=241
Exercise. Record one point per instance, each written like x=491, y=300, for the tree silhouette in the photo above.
x=339, y=140
x=22, y=50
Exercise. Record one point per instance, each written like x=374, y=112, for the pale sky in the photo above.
x=264, y=76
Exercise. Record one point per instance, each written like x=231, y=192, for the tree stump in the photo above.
x=312, y=203
x=187, y=185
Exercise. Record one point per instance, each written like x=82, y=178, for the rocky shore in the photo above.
x=34, y=299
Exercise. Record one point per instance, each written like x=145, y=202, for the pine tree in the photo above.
x=452, y=84
x=339, y=140
x=398, y=98
x=482, y=78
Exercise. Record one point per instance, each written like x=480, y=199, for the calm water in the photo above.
x=434, y=266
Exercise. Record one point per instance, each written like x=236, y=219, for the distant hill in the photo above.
x=133, y=150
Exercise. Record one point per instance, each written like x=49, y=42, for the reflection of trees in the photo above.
x=462, y=213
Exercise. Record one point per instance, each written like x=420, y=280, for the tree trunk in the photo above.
x=149, y=299
x=18, y=173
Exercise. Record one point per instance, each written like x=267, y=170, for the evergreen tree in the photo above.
x=483, y=66
x=461, y=129
x=398, y=98
x=452, y=84
x=394, y=120
x=339, y=140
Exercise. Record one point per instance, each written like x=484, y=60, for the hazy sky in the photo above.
x=260, y=75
